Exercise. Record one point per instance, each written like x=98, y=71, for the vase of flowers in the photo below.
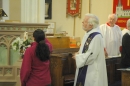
x=21, y=44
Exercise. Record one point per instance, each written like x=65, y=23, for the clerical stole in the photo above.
x=83, y=70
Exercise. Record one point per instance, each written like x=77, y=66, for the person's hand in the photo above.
x=75, y=55
x=106, y=54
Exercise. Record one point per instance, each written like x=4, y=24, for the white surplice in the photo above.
x=96, y=73
x=112, y=39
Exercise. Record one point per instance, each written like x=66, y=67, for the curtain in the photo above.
x=33, y=11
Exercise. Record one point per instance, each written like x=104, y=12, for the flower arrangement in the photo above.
x=20, y=44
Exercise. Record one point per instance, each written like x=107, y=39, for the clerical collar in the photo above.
x=109, y=25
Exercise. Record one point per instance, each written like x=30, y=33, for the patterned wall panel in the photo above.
x=8, y=71
x=3, y=54
x=18, y=72
x=5, y=50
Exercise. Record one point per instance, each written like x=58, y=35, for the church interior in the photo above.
x=63, y=27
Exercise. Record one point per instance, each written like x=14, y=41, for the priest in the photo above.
x=90, y=60
x=112, y=36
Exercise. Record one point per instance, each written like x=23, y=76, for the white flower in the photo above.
x=14, y=47
x=20, y=44
x=18, y=38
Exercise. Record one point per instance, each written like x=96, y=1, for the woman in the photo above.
x=35, y=69
x=125, y=54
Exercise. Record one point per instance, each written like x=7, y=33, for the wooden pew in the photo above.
x=114, y=76
x=62, y=66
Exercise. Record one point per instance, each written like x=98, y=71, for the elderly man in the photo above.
x=125, y=54
x=112, y=36
x=90, y=60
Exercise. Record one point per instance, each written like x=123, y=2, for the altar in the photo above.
x=9, y=59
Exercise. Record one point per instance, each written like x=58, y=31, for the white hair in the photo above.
x=93, y=20
x=128, y=23
x=115, y=16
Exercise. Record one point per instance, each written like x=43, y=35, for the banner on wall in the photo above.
x=122, y=9
x=73, y=8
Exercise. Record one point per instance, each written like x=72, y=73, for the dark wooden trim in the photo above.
x=65, y=50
